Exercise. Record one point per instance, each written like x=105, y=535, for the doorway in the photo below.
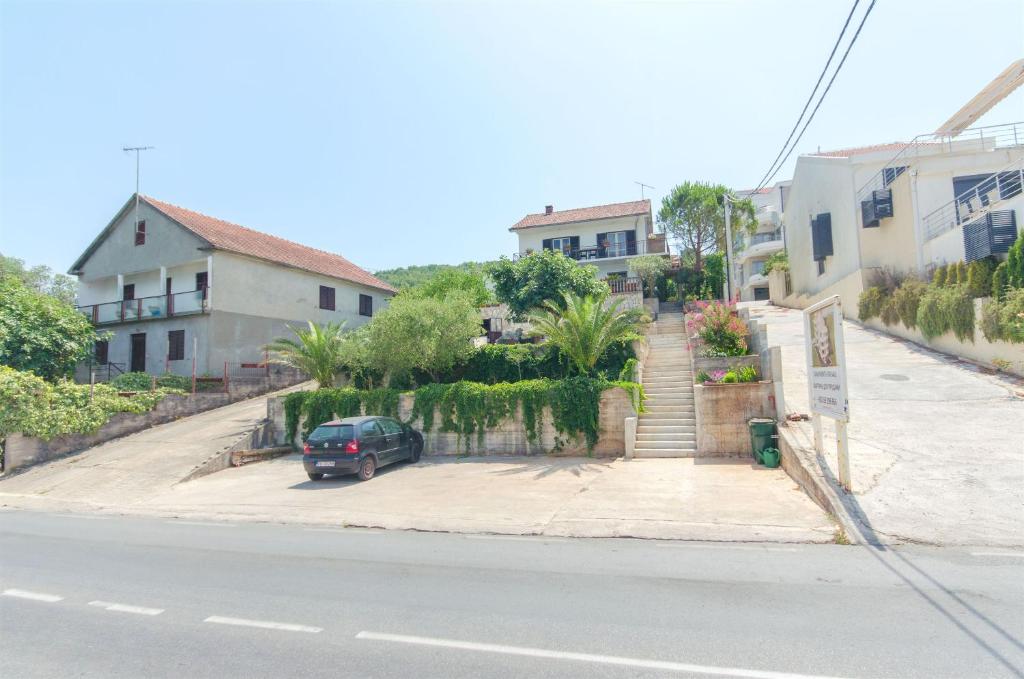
x=138, y=352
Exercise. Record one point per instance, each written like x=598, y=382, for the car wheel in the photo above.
x=314, y=477
x=417, y=450
x=367, y=469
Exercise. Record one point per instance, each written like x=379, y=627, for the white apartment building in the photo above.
x=751, y=250
x=606, y=236
x=178, y=286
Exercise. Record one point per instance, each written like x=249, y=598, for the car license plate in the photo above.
x=325, y=463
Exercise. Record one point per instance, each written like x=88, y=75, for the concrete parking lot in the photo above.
x=658, y=498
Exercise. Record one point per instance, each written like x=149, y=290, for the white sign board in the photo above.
x=826, y=360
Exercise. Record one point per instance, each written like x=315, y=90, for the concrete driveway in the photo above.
x=936, y=444
x=671, y=498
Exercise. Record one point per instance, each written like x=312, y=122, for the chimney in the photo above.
x=548, y=209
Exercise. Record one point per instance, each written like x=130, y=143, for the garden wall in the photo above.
x=22, y=451
x=979, y=351
x=509, y=438
x=723, y=411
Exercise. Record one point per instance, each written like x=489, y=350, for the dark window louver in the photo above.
x=821, y=236
x=991, y=234
x=176, y=345
x=365, y=305
x=889, y=174
x=877, y=208
x=326, y=298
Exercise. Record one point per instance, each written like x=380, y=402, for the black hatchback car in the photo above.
x=359, y=445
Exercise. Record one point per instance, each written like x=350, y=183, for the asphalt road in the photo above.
x=105, y=596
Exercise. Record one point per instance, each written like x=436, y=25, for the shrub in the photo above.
x=730, y=377
x=778, y=261
x=37, y=408
x=979, y=278
x=958, y=307
x=137, y=381
x=746, y=373
x=703, y=377
x=907, y=298
x=890, y=313
x=1011, y=316
x=1000, y=281
x=628, y=372
x=990, y=324
x=172, y=381
x=722, y=331
x=869, y=304
x=939, y=277
x=1015, y=263
x=961, y=273
x=929, y=313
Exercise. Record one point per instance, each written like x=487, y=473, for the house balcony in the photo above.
x=590, y=253
x=768, y=216
x=153, y=308
x=760, y=245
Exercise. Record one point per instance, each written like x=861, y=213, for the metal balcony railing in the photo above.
x=147, y=308
x=759, y=238
x=653, y=246
x=987, y=137
x=977, y=202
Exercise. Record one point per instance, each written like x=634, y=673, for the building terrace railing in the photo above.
x=652, y=246
x=621, y=286
x=147, y=308
x=976, y=202
x=989, y=136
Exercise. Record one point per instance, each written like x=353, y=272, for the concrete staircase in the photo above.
x=669, y=427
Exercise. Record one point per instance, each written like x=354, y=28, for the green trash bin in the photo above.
x=762, y=435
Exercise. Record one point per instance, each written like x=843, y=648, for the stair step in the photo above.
x=642, y=453
x=665, y=428
x=677, y=421
x=665, y=440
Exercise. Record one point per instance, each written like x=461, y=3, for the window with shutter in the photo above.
x=365, y=305
x=129, y=291
x=140, y=232
x=821, y=236
x=176, y=345
x=326, y=298
x=202, y=281
x=546, y=244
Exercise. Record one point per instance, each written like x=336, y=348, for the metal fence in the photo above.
x=976, y=202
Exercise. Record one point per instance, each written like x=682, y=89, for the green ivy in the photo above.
x=469, y=409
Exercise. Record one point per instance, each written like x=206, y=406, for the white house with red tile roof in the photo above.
x=182, y=283
x=606, y=236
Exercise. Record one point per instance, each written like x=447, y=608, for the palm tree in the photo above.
x=316, y=351
x=585, y=327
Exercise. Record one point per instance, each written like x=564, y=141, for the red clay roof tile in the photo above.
x=224, y=235
x=583, y=214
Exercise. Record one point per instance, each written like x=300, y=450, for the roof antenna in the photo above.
x=138, y=150
x=642, y=187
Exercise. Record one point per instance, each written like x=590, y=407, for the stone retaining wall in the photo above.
x=509, y=438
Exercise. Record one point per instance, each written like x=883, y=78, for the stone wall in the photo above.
x=723, y=411
x=22, y=451
x=509, y=438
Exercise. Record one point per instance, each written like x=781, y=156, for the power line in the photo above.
x=821, y=77
x=774, y=168
x=823, y=94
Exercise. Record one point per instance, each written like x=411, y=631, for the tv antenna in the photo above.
x=642, y=187
x=138, y=151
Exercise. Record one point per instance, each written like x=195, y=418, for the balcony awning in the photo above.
x=993, y=93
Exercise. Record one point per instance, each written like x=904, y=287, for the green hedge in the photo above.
x=34, y=407
x=468, y=408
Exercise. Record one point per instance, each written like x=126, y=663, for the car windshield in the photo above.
x=331, y=433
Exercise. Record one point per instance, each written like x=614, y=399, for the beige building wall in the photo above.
x=252, y=287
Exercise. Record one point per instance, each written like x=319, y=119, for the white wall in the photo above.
x=533, y=238
x=253, y=287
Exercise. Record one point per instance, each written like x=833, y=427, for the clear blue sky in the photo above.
x=418, y=132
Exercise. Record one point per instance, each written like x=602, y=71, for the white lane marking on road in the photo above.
x=515, y=538
x=588, y=657
x=742, y=548
x=34, y=596
x=1011, y=554
x=263, y=624
x=203, y=523
x=126, y=608
x=349, y=531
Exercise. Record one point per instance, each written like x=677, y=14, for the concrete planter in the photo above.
x=723, y=411
x=709, y=365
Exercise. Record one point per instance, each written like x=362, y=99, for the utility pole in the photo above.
x=138, y=150
x=728, y=249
